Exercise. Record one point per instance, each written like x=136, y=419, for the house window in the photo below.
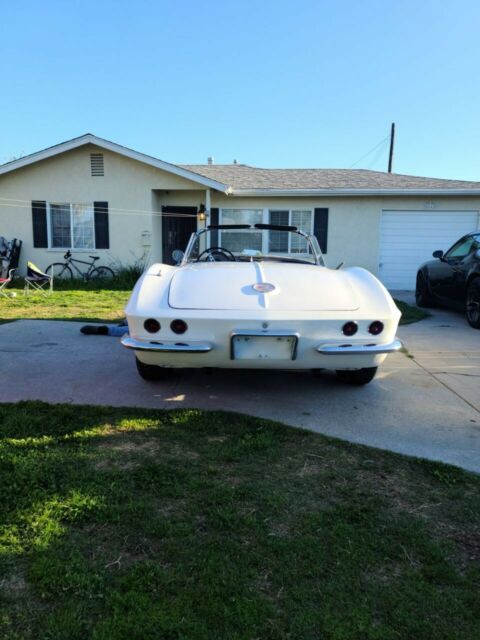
x=283, y=242
x=274, y=241
x=71, y=226
x=235, y=241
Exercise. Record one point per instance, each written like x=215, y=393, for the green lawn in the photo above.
x=87, y=302
x=131, y=524
x=411, y=313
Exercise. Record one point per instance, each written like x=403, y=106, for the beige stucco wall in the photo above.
x=354, y=223
x=136, y=192
x=127, y=186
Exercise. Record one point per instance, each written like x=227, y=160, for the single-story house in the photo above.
x=92, y=195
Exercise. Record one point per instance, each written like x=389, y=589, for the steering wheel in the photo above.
x=224, y=255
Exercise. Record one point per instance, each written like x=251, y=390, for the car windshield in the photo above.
x=223, y=243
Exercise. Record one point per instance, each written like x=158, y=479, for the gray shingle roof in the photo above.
x=242, y=176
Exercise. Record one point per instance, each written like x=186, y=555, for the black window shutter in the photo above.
x=214, y=219
x=320, y=227
x=102, y=240
x=39, y=221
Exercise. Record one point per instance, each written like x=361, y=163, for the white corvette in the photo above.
x=259, y=297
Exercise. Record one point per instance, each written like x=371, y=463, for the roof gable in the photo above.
x=89, y=138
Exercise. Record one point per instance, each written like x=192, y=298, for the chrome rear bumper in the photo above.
x=165, y=346
x=359, y=349
x=205, y=347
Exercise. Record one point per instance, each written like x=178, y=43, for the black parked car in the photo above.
x=453, y=279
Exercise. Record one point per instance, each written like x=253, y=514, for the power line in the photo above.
x=376, y=157
x=382, y=142
x=114, y=210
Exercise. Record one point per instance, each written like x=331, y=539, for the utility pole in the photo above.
x=392, y=143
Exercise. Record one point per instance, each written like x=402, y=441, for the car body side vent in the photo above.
x=96, y=164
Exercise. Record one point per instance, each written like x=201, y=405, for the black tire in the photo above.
x=473, y=303
x=101, y=273
x=423, y=297
x=151, y=372
x=357, y=377
x=59, y=270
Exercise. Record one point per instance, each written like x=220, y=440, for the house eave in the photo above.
x=115, y=148
x=347, y=193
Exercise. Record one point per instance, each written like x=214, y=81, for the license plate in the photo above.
x=263, y=347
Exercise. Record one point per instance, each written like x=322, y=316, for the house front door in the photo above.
x=178, y=224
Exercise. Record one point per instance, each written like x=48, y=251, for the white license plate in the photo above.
x=263, y=347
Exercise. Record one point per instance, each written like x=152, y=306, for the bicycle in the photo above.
x=63, y=269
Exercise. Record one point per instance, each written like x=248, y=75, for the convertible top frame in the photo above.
x=311, y=239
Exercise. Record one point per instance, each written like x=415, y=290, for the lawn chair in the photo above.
x=38, y=280
x=4, y=282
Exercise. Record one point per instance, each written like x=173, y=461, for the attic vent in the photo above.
x=96, y=164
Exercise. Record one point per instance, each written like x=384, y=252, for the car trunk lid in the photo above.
x=230, y=286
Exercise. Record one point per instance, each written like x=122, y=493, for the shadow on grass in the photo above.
x=125, y=523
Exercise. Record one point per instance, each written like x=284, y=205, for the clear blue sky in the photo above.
x=299, y=83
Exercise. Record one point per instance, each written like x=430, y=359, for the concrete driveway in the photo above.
x=427, y=406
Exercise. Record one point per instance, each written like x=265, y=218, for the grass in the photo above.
x=104, y=302
x=411, y=313
x=74, y=300
x=134, y=524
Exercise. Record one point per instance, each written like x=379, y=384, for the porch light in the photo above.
x=201, y=215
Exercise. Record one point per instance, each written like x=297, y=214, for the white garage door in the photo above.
x=408, y=238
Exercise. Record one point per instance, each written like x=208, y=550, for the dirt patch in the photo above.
x=170, y=507
x=13, y=586
x=130, y=453
x=469, y=542
x=466, y=545
x=144, y=446
x=179, y=451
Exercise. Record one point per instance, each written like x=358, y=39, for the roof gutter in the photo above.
x=346, y=193
x=353, y=192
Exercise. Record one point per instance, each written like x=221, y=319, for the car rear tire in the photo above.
x=473, y=303
x=151, y=372
x=423, y=297
x=358, y=377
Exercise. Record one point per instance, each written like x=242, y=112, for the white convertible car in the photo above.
x=259, y=297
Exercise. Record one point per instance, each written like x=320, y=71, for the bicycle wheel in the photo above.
x=59, y=270
x=101, y=273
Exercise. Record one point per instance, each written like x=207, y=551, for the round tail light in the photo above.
x=375, y=328
x=151, y=325
x=349, y=328
x=178, y=326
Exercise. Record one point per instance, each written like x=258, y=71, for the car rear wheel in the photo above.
x=423, y=297
x=473, y=303
x=357, y=377
x=151, y=372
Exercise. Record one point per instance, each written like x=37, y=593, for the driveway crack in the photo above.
x=444, y=384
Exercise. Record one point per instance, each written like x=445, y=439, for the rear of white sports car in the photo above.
x=261, y=315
